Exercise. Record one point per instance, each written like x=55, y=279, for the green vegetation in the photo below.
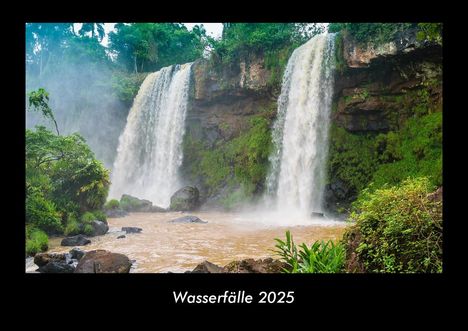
x=371, y=32
x=352, y=158
x=380, y=33
x=320, y=257
x=240, y=40
x=63, y=178
x=112, y=204
x=397, y=229
x=412, y=149
x=150, y=46
x=430, y=31
x=240, y=163
x=36, y=241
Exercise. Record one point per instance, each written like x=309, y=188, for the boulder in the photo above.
x=317, y=214
x=207, y=267
x=187, y=219
x=157, y=209
x=187, y=198
x=76, y=253
x=121, y=236
x=102, y=261
x=57, y=267
x=131, y=229
x=99, y=228
x=267, y=265
x=78, y=240
x=115, y=213
x=133, y=204
x=42, y=259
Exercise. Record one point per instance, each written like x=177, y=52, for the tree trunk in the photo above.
x=135, y=64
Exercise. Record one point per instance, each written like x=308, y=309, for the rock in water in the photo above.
x=102, y=261
x=130, y=203
x=187, y=219
x=78, y=240
x=157, y=209
x=267, y=265
x=77, y=253
x=207, y=267
x=187, y=198
x=57, y=267
x=42, y=259
x=115, y=213
x=121, y=236
x=99, y=228
x=317, y=214
x=131, y=229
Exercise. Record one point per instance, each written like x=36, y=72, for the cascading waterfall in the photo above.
x=150, y=151
x=300, y=134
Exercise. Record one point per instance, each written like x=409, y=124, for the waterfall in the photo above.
x=296, y=180
x=150, y=151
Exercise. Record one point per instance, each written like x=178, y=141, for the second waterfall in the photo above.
x=300, y=135
x=150, y=151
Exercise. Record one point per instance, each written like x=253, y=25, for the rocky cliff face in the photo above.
x=378, y=85
x=223, y=97
x=223, y=100
x=377, y=89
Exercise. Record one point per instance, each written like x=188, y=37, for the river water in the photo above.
x=175, y=247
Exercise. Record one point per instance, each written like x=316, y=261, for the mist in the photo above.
x=83, y=101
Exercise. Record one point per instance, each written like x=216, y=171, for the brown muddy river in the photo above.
x=163, y=246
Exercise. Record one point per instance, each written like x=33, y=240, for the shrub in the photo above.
x=398, y=229
x=112, y=204
x=321, y=257
x=41, y=213
x=73, y=227
x=36, y=241
x=100, y=216
x=87, y=217
x=88, y=229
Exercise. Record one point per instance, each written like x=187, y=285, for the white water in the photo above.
x=297, y=176
x=150, y=151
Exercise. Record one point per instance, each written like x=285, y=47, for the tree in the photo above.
x=151, y=46
x=39, y=101
x=96, y=29
x=44, y=41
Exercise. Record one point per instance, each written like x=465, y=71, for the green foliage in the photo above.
x=73, y=227
x=352, y=158
x=100, y=216
x=414, y=151
x=36, y=241
x=320, y=257
x=126, y=85
x=240, y=162
x=240, y=40
x=377, y=33
x=340, y=62
x=41, y=213
x=63, y=180
x=112, y=204
x=129, y=203
x=151, y=46
x=430, y=31
x=39, y=101
x=400, y=229
x=88, y=229
x=87, y=217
